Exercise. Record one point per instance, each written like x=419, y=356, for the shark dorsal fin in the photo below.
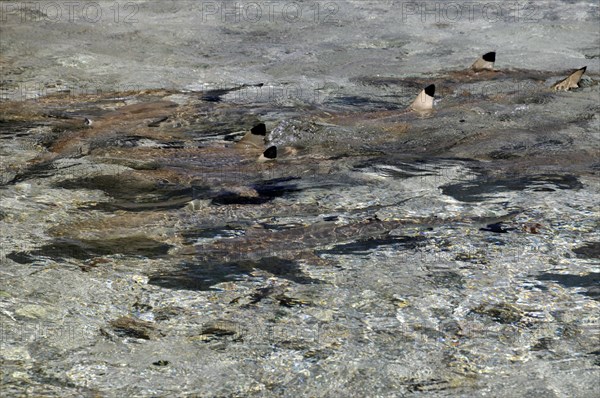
x=269, y=154
x=255, y=138
x=259, y=129
x=424, y=101
x=485, y=62
x=572, y=81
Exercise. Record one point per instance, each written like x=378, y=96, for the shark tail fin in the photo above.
x=572, y=81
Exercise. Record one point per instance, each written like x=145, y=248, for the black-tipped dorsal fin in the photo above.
x=269, y=154
x=572, y=81
x=424, y=101
x=485, y=62
x=489, y=57
x=430, y=90
x=259, y=129
x=255, y=138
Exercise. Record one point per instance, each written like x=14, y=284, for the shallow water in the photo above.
x=383, y=254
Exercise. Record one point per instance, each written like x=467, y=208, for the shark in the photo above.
x=194, y=152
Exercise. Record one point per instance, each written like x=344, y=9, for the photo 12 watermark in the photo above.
x=267, y=93
x=325, y=12
x=468, y=11
x=20, y=332
x=69, y=11
x=36, y=90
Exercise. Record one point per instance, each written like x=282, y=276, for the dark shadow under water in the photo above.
x=204, y=275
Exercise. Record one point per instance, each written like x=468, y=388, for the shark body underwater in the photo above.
x=161, y=160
